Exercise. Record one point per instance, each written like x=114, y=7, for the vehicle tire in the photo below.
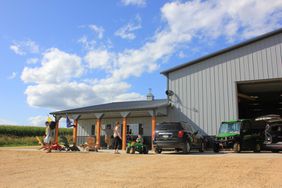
x=237, y=148
x=257, y=148
x=132, y=150
x=274, y=151
x=158, y=151
x=176, y=150
x=202, y=147
x=127, y=149
x=216, y=148
x=187, y=147
x=145, y=150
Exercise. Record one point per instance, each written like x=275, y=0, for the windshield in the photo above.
x=230, y=127
x=169, y=126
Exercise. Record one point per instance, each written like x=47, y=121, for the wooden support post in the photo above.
x=154, y=122
x=124, y=116
x=98, y=132
x=124, y=125
x=74, y=136
x=57, y=131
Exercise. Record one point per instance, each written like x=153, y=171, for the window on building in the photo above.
x=141, y=130
x=93, y=130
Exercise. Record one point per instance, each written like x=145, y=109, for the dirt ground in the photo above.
x=31, y=168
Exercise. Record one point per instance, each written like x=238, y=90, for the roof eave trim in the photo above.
x=107, y=110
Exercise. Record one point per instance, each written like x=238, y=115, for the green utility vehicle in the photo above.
x=240, y=135
x=138, y=146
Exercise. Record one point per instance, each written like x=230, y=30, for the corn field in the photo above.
x=25, y=135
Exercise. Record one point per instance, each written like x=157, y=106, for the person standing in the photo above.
x=47, y=139
x=117, y=137
x=108, y=133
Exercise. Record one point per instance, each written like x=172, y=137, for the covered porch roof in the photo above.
x=112, y=110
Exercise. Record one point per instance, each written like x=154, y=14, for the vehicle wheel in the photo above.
x=274, y=151
x=216, y=148
x=132, y=150
x=158, y=151
x=187, y=148
x=257, y=148
x=127, y=149
x=145, y=150
x=237, y=148
x=176, y=150
x=202, y=148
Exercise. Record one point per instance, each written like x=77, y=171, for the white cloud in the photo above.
x=134, y=2
x=12, y=76
x=98, y=30
x=38, y=121
x=181, y=54
x=24, y=47
x=185, y=21
x=229, y=18
x=208, y=19
x=74, y=94
x=126, y=32
x=61, y=95
x=31, y=61
x=56, y=67
x=129, y=97
x=86, y=43
x=54, y=84
x=99, y=59
x=4, y=121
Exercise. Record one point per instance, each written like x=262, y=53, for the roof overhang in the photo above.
x=159, y=108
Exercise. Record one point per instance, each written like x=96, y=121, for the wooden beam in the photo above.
x=57, y=119
x=124, y=126
x=98, y=133
x=74, y=136
x=154, y=122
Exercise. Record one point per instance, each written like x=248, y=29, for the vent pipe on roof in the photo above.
x=150, y=96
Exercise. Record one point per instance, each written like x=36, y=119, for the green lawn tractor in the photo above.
x=133, y=146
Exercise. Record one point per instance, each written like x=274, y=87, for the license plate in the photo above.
x=165, y=136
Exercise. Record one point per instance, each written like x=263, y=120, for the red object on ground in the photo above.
x=56, y=147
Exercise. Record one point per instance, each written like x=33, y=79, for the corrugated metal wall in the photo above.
x=84, y=128
x=206, y=92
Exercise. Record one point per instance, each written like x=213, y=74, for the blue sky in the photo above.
x=64, y=54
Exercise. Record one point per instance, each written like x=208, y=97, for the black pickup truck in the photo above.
x=178, y=136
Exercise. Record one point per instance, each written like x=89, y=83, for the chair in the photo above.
x=90, y=144
x=66, y=144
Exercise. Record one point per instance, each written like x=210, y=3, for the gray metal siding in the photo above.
x=84, y=126
x=206, y=92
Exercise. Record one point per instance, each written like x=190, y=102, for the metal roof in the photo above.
x=258, y=38
x=117, y=106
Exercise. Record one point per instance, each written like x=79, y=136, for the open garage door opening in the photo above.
x=259, y=98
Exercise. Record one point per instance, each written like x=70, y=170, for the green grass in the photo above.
x=25, y=135
x=28, y=130
x=17, y=141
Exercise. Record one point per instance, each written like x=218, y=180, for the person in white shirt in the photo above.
x=117, y=137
